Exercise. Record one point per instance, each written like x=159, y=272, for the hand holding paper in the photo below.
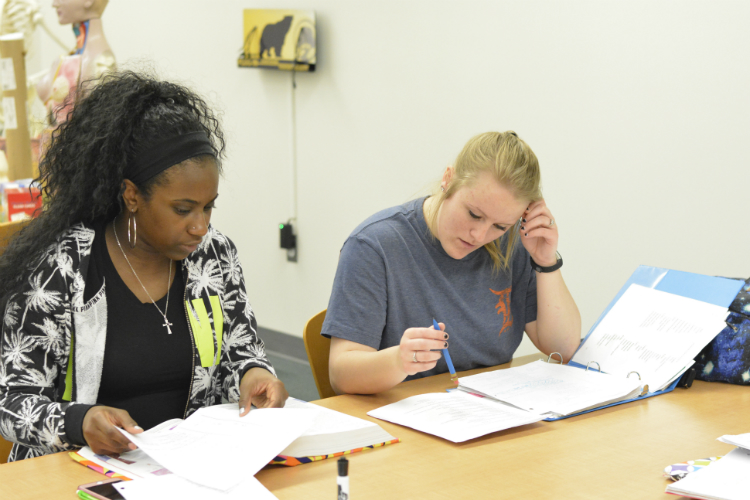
x=260, y=388
x=100, y=429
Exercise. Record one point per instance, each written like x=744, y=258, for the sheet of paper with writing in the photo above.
x=653, y=333
x=551, y=388
x=133, y=464
x=455, y=416
x=215, y=447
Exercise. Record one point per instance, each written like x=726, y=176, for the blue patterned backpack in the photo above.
x=727, y=357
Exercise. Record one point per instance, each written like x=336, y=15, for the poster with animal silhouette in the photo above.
x=279, y=39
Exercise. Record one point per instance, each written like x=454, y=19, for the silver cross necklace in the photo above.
x=169, y=281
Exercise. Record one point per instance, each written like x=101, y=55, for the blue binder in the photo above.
x=714, y=290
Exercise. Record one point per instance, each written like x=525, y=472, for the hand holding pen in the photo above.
x=420, y=349
x=448, y=361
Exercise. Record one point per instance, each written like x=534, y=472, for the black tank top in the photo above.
x=146, y=370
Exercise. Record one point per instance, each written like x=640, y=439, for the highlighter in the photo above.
x=447, y=356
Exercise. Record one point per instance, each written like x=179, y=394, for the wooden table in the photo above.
x=618, y=452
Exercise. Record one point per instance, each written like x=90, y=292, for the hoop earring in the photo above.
x=135, y=230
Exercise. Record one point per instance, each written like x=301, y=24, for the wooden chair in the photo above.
x=318, y=348
x=8, y=230
x=5, y=447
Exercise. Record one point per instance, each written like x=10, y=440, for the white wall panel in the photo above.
x=639, y=112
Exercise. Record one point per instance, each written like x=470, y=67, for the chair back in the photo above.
x=318, y=348
x=5, y=447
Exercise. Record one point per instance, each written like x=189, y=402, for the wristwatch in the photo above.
x=554, y=267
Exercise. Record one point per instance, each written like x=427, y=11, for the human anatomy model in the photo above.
x=91, y=58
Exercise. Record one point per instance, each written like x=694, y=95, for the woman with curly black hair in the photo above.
x=123, y=307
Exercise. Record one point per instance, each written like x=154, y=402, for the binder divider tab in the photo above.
x=645, y=387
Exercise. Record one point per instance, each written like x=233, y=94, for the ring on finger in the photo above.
x=414, y=356
x=551, y=222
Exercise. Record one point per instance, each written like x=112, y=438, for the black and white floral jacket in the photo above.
x=41, y=376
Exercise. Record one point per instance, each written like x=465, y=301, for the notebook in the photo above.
x=725, y=479
x=332, y=434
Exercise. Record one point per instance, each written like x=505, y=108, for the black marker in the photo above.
x=343, y=479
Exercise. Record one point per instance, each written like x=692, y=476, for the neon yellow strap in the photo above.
x=68, y=394
x=204, y=339
x=218, y=325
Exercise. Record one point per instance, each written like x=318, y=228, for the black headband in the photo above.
x=166, y=153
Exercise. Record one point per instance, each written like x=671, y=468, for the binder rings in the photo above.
x=713, y=290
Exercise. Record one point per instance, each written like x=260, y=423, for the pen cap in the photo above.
x=343, y=466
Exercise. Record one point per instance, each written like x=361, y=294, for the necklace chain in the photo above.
x=169, y=281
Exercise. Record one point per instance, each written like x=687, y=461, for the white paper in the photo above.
x=173, y=486
x=455, y=416
x=9, y=112
x=333, y=432
x=328, y=421
x=133, y=464
x=214, y=447
x=550, y=388
x=725, y=479
x=653, y=333
x=7, y=74
x=741, y=440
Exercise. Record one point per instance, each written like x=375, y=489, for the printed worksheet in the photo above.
x=133, y=464
x=653, y=333
x=214, y=447
x=455, y=416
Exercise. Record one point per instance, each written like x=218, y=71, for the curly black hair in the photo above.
x=81, y=172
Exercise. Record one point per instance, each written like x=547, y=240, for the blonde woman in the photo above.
x=479, y=255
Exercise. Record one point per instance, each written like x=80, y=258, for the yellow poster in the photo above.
x=280, y=39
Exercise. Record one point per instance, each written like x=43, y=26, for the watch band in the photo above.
x=557, y=265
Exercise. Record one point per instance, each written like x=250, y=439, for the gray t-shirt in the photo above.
x=393, y=275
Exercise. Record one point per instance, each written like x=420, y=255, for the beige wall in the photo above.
x=639, y=112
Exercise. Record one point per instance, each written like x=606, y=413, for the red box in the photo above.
x=22, y=203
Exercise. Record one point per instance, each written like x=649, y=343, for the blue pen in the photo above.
x=454, y=377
